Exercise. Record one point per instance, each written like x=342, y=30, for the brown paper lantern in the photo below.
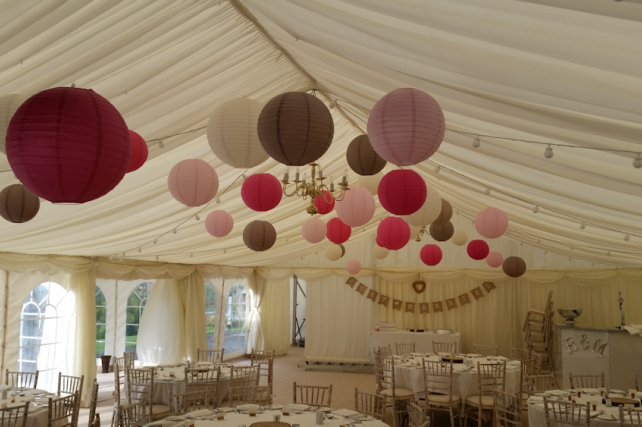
x=362, y=158
x=295, y=128
x=442, y=232
x=446, y=213
x=514, y=266
x=18, y=204
x=259, y=235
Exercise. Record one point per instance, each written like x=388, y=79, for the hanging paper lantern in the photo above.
x=428, y=212
x=295, y=128
x=259, y=235
x=261, y=192
x=139, y=152
x=334, y=252
x=378, y=241
x=406, y=126
x=313, y=230
x=445, y=214
x=431, y=255
x=491, y=223
x=353, y=266
x=357, y=207
x=18, y=204
x=219, y=223
x=494, y=259
x=8, y=106
x=394, y=233
x=380, y=252
x=370, y=183
x=231, y=133
x=414, y=232
x=460, y=237
x=362, y=158
x=68, y=145
x=193, y=182
x=337, y=231
x=402, y=192
x=442, y=232
x=514, y=266
x=321, y=203
x=478, y=249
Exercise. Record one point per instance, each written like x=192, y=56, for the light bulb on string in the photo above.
x=476, y=142
x=487, y=191
x=174, y=231
x=608, y=253
x=110, y=257
x=536, y=209
x=626, y=237
x=438, y=168
x=637, y=162
x=161, y=144
x=217, y=200
x=197, y=218
x=582, y=225
x=139, y=250
x=157, y=258
x=572, y=247
x=243, y=177
x=191, y=255
x=332, y=103
x=548, y=153
x=155, y=241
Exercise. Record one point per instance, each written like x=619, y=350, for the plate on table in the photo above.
x=417, y=354
x=324, y=409
x=225, y=409
x=608, y=417
x=556, y=392
x=361, y=418
x=501, y=358
x=473, y=355
x=345, y=413
x=176, y=418
x=590, y=390
x=33, y=392
x=297, y=407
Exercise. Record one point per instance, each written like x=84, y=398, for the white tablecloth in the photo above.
x=38, y=413
x=423, y=340
x=464, y=383
x=537, y=416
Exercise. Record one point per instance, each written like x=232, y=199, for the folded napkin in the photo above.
x=634, y=329
x=557, y=392
x=536, y=399
x=296, y=407
x=345, y=412
x=373, y=423
x=590, y=390
x=200, y=413
x=501, y=358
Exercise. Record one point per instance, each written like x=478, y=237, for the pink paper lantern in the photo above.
x=393, y=233
x=406, y=126
x=353, y=266
x=491, y=223
x=139, y=152
x=322, y=205
x=431, y=255
x=357, y=207
x=337, y=231
x=193, y=182
x=313, y=230
x=402, y=192
x=478, y=249
x=219, y=223
x=262, y=192
x=494, y=259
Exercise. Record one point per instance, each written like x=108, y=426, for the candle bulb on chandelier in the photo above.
x=296, y=175
x=305, y=177
x=320, y=173
x=285, y=177
x=331, y=185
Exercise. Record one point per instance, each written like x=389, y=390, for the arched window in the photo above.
x=101, y=322
x=135, y=305
x=235, y=319
x=210, y=314
x=47, y=324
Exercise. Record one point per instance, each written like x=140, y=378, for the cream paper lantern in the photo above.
x=8, y=106
x=414, y=231
x=231, y=132
x=333, y=252
x=459, y=238
x=428, y=212
x=379, y=252
x=370, y=182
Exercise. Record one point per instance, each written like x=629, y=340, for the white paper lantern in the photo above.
x=8, y=106
x=459, y=238
x=414, y=231
x=428, y=212
x=370, y=182
x=379, y=252
x=333, y=252
x=231, y=132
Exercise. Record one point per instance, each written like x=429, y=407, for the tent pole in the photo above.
x=115, y=320
x=295, y=291
x=4, y=318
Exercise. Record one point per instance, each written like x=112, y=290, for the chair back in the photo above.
x=405, y=348
x=562, y=412
x=521, y=353
x=485, y=350
x=587, y=381
x=132, y=415
x=203, y=379
x=140, y=387
x=491, y=376
x=438, y=379
x=63, y=411
x=444, y=347
x=92, y=405
x=244, y=384
x=119, y=380
x=17, y=379
x=630, y=417
x=312, y=395
x=370, y=404
x=265, y=361
x=378, y=369
x=214, y=356
x=15, y=416
x=541, y=383
x=69, y=385
x=508, y=409
x=527, y=367
x=385, y=351
x=129, y=359
x=417, y=416
x=188, y=402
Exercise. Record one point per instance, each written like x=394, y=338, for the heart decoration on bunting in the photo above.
x=419, y=286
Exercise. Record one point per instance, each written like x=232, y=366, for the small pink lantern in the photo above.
x=262, y=192
x=321, y=202
x=393, y=233
x=313, y=230
x=353, y=266
x=406, y=126
x=491, y=223
x=494, y=259
x=337, y=231
x=402, y=192
x=431, y=255
x=357, y=207
x=193, y=182
x=478, y=249
x=219, y=223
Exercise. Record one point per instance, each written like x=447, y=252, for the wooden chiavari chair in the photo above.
x=485, y=350
x=521, y=354
x=265, y=361
x=129, y=359
x=204, y=379
x=385, y=351
x=188, y=402
x=16, y=379
x=508, y=409
x=140, y=387
x=398, y=397
x=587, y=381
x=70, y=385
x=94, y=418
x=14, y=417
x=313, y=395
x=244, y=384
x=630, y=417
x=417, y=416
x=405, y=348
x=438, y=385
x=63, y=411
x=444, y=347
x=541, y=383
x=526, y=368
x=491, y=377
x=562, y=412
x=370, y=404
x=132, y=415
x=213, y=356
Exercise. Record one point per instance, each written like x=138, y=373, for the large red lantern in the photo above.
x=262, y=192
x=139, y=152
x=478, y=249
x=402, y=192
x=431, y=255
x=338, y=232
x=393, y=233
x=68, y=145
x=321, y=203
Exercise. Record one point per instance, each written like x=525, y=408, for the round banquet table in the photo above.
x=409, y=374
x=604, y=416
x=38, y=408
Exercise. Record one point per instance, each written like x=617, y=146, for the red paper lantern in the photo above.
x=321, y=203
x=402, y=192
x=491, y=223
x=68, y=145
x=262, y=192
x=478, y=249
x=193, y=182
x=338, y=232
x=431, y=255
x=394, y=233
x=139, y=152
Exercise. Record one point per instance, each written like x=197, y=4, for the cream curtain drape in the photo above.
x=268, y=321
x=193, y=293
